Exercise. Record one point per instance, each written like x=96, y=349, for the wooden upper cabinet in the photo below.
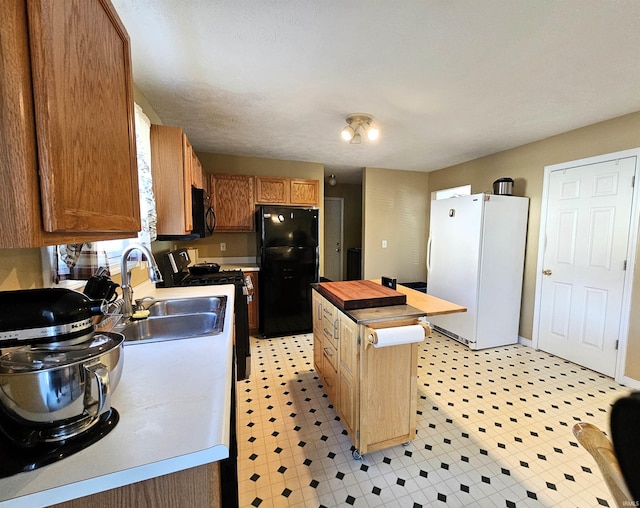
x=197, y=176
x=232, y=199
x=286, y=191
x=68, y=166
x=271, y=190
x=304, y=192
x=172, y=171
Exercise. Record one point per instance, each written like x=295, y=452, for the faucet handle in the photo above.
x=140, y=301
x=154, y=273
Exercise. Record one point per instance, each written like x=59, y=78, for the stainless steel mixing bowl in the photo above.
x=49, y=388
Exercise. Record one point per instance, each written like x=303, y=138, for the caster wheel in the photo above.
x=356, y=455
x=406, y=443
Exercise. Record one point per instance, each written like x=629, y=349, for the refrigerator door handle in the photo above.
x=429, y=255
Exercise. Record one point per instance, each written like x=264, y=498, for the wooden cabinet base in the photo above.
x=198, y=487
x=374, y=390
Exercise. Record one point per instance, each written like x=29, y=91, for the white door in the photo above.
x=581, y=289
x=333, y=218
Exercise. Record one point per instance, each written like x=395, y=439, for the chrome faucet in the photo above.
x=127, y=291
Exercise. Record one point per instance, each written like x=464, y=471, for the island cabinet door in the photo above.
x=348, y=375
x=388, y=391
x=316, y=302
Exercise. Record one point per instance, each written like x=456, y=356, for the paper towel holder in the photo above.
x=389, y=282
x=372, y=336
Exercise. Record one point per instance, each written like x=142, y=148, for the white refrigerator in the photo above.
x=475, y=258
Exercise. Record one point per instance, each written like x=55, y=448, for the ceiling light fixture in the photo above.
x=332, y=180
x=359, y=124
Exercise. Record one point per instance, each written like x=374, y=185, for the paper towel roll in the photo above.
x=384, y=337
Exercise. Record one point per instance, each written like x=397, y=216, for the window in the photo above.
x=91, y=256
x=464, y=190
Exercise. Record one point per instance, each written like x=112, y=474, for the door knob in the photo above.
x=546, y=272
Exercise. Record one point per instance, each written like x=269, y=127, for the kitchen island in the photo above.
x=174, y=401
x=366, y=353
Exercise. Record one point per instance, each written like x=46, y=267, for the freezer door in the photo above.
x=281, y=225
x=454, y=259
x=286, y=275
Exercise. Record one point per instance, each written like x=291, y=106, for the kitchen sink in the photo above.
x=180, y=326
x=170, y=307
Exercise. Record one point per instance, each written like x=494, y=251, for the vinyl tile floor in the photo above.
x=494, y=429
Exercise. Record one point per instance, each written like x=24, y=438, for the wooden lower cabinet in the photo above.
x=254, y=321
x=374, y=390
x=197, y=487
x=348, y=384
x=316, y=302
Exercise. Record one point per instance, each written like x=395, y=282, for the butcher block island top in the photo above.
x=368, y=301
x=431, y=305
x=360, y=294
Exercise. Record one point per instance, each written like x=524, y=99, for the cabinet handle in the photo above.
x=326, y=382
x=335, y=328
x=327, y=352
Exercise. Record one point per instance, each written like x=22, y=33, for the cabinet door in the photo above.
x=188, y=176
x=83, y=99
x=171, y=180
x=272, y=191
x=330, y=323
x=197, y=176
x=316, y=311
x=329, y=376
x=253, y=303
x=348, y=374
x=304, y=192
x=232, y=198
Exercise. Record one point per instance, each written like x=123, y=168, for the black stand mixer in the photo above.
x=56, y=376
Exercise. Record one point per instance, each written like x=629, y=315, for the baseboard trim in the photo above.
x=524, y=341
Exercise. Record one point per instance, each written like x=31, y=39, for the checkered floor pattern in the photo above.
x=493, y=430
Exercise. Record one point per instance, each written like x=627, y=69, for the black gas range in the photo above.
x=175, y=272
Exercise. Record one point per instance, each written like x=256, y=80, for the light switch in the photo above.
x=223, y=246
x=384, y=244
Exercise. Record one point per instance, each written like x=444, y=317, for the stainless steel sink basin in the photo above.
x=179, y=326
x=175, y=306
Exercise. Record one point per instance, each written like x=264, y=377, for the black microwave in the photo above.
x=204, y=218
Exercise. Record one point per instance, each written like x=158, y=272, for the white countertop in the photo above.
x=174, y=401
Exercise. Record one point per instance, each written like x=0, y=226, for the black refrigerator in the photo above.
x=288, y=258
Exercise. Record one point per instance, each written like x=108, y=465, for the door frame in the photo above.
x=631, y=255
x=340, y=201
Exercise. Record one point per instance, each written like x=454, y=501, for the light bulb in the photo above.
x=347, y=133
x=373, y=134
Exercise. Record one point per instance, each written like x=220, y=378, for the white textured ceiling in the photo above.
x=446, y=80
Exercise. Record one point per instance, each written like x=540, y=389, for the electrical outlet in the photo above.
x=223, y=246
x=384, y=244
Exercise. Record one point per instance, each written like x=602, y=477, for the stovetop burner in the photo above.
x=223, y=277
x=16, y=458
